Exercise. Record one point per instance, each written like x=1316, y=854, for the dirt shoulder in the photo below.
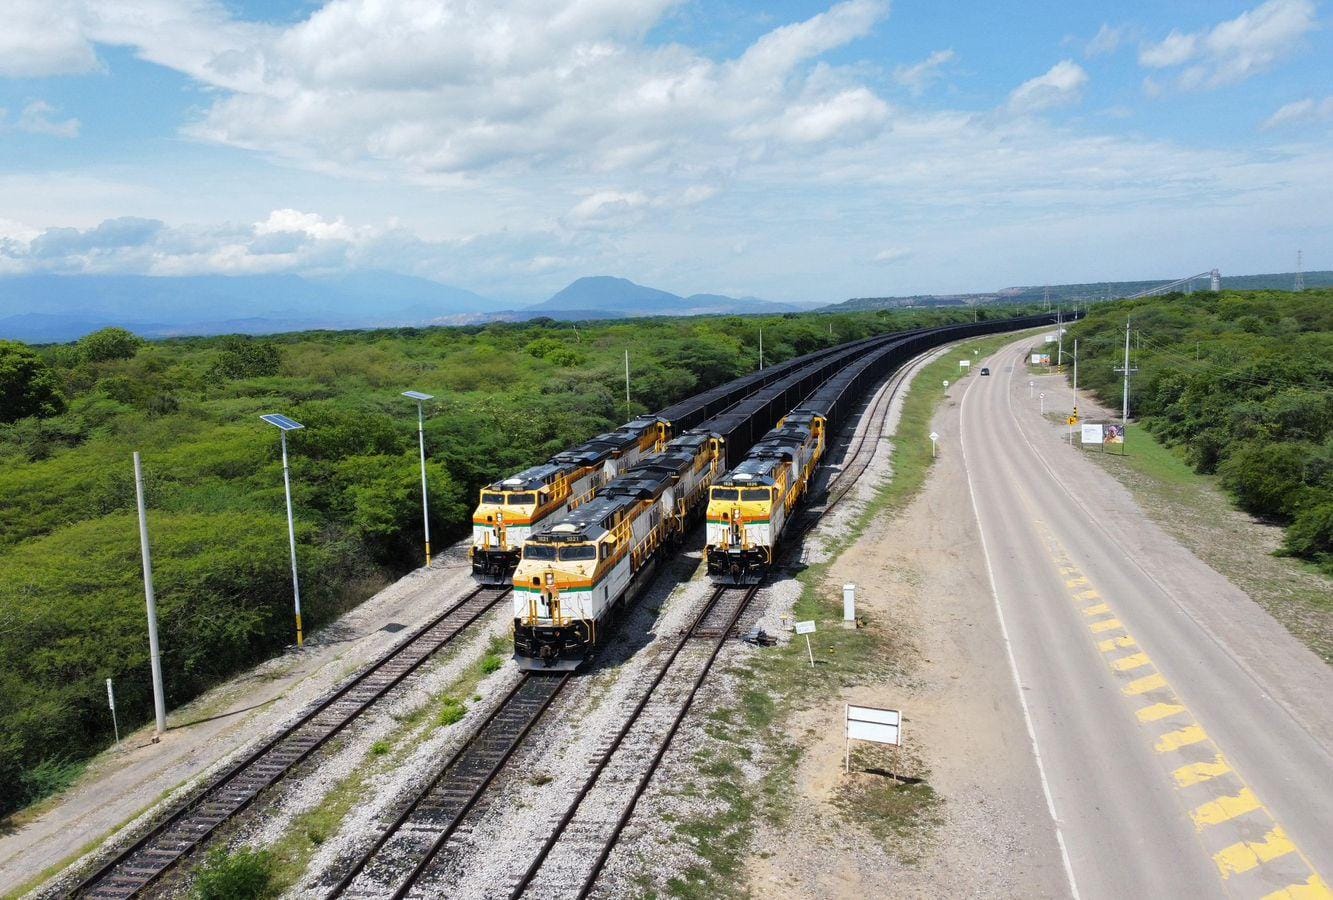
x=920, y=576
x=122, y=784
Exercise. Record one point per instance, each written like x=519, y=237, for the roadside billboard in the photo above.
x=1092, y=432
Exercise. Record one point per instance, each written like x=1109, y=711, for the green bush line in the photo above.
x=509, y=395
x=1241, y=385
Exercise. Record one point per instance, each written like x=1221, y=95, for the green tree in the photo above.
x=27, y=386
x=242, y=357
x=108, y=344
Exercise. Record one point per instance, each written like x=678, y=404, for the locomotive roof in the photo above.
x=751, y=473
x=532, y=479
x=584, y=523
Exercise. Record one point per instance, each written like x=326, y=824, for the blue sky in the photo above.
x=791, y=150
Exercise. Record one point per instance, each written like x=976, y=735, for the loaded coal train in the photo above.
x=581, y=563
x=510, y=509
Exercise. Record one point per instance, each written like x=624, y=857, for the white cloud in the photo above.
x=36, y=118
x=1106, y=41
x=1062, y=84
x=1300, y=111
x=919, y=76
x=1236, y=49
x=44, y=37
x=891, y=255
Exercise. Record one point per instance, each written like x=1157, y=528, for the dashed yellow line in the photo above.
x=1239, y=857
x=1199, y=772
x=1153, y=682
x=1313, y=888
x=1245, y=855
x=1181, y=737
x=1158, y=711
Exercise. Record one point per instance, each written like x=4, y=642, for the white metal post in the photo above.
x=847, y=737
x=154, y=653
x=425, y=503
x=627, y=384
x=291, y=539
x=1059, y=337
x=111, y=701
x=761, y=348
x=809, y=650
x=1076, y=375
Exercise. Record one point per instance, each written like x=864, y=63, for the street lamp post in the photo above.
x=421, y=398
x=284, y=425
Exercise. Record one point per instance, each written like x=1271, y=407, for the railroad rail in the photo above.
x=591, y=837
x=229, y=793
x=666, y=701
x=398, y=858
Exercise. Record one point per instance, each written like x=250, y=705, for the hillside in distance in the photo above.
x=1083, y=292
x=603, y=294
x=47, y=307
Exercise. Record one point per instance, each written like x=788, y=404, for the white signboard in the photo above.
x=964, y=363
x=1036, y=359
x=934, y=435
x=1092, y=434
x=869, y=723
x=1050, y=338
x=805, y=627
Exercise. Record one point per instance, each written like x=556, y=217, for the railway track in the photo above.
x=585, y=831
x=588, y=831
x=401, y=854
x=229, y=793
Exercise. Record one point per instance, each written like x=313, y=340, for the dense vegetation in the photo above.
x=71, y=602
x=1242, y=385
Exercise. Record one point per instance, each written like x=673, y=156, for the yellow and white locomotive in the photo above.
x=750, y=506
x=511, y=508
x=580, y=565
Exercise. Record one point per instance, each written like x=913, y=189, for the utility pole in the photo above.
x=154, y=652
x=1300, y=275
x=421, y=399
x=1076, y=376
x=1059, y=337
x=627, y=415
x=761, y=348
x=1124, y=408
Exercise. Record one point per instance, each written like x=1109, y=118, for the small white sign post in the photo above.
x=111, y=701
x=1042, y=395
x=934, y=436
x=870, y=723
x=807, y=629
x=1032, y=385
x=946, y=384
x=964, y=363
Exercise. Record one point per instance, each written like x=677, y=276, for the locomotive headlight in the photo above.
x=550, y=578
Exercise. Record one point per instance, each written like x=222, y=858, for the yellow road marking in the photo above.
x=1182, y=737
x=1089, y=594
x=1110, y=644
x=1199, y=772
x=1245, y=855
x=1080, y=581
x=1224, y=809
x=1104, y=625
x=1144, y=685
x=1313, y=888
x=1158, y=711
x=1133, y=661
x=1096, y=610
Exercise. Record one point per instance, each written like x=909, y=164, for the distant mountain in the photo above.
x=45, y=308
x=621, y=297
x=1084, y=292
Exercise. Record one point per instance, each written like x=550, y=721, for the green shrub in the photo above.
x=491, y=663
x=50, y=776
x=379, y=748
x=27, y=386
x=108, y=344
x=243, y=875
x=452, y=710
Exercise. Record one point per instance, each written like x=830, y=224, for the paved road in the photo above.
x=1184, y=739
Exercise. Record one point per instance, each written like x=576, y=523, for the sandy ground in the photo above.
x=923, y=571
x=121, y=785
